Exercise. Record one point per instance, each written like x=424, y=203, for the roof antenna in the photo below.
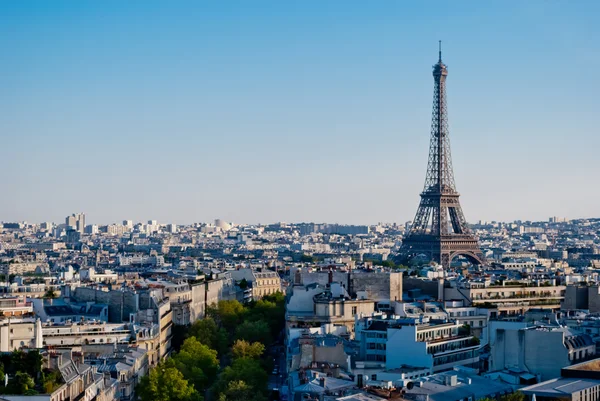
x=440, y=51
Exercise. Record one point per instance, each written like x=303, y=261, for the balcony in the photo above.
x=451, y=344
x=518, y=296
x=448, y=338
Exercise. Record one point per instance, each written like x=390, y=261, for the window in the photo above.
x=354, y=310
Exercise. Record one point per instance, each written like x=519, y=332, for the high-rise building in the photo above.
x=91, y=229
x=77, y=221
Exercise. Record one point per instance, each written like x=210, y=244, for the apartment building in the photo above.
x=15, y=306
x=476, y=318
x=579, y=382
x=508, y=298
x=75, y=335
x=439, y=346
x=123, y=363
x=20, y=332
x=539, y=349
x=180, y=296
x=18, y=266
x=317, y=305
x=261, y=282
x=81, y=382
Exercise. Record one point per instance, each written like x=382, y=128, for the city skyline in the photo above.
x=199, y=113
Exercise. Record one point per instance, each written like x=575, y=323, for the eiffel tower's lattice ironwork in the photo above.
x=440, y=230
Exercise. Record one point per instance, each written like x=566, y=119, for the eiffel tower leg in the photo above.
x=445, y=260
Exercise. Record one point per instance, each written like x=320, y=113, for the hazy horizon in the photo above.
x=276, y=111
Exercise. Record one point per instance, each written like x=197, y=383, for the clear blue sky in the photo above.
x=264, y=111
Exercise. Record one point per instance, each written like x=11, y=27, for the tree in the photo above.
x=50, y=294
x=243, y=349
x=228, y=313
x=307, y=259
x=277, y=297
x=22, y=383
x=516, y=396
x=243, y=284
x=51, y=381
x=464, y=330
x=197, y=362
x=240, y=390
x=254, y=331
x=180, y=333
x=246, y=370
x=166, y=383
x=207, y=332
x=270, y=310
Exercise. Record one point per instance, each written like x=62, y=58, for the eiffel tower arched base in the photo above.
x=442, y=249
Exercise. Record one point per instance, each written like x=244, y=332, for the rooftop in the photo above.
x=560, y=386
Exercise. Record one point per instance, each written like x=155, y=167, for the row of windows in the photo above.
x=376, y=346
x=376, y=335
x=442, y=360
x=434, y=334
x=377, y=358
x=268, y=282
x=462, y=313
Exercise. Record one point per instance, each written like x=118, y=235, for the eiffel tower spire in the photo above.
x=440, y=229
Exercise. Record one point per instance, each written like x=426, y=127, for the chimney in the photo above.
x=107, y=379
x=330, y=276
x=55, y=360
x=322, y=382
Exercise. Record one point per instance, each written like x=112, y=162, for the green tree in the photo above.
x=516, y=396
x=246, y=370
x=165, y=383
x=198, y=363
x=228, y=313
x=388, y=263
x=179, y=333
x=244, y=349
x=207, y=332
x=50, y=294
x=258, y=331
x=239, y=390
x=272, y=313
x=277, y=297
x=23, y=383
x=307, y=259
x=51, y=381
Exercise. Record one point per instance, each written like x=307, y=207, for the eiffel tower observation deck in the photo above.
x=440, y=230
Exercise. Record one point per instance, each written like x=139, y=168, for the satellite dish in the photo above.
x=410, y=385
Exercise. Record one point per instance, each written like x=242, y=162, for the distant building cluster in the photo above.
x=101, y=303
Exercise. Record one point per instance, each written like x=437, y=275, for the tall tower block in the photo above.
x=440, y=229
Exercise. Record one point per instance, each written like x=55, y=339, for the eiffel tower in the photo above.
x=440, y=230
